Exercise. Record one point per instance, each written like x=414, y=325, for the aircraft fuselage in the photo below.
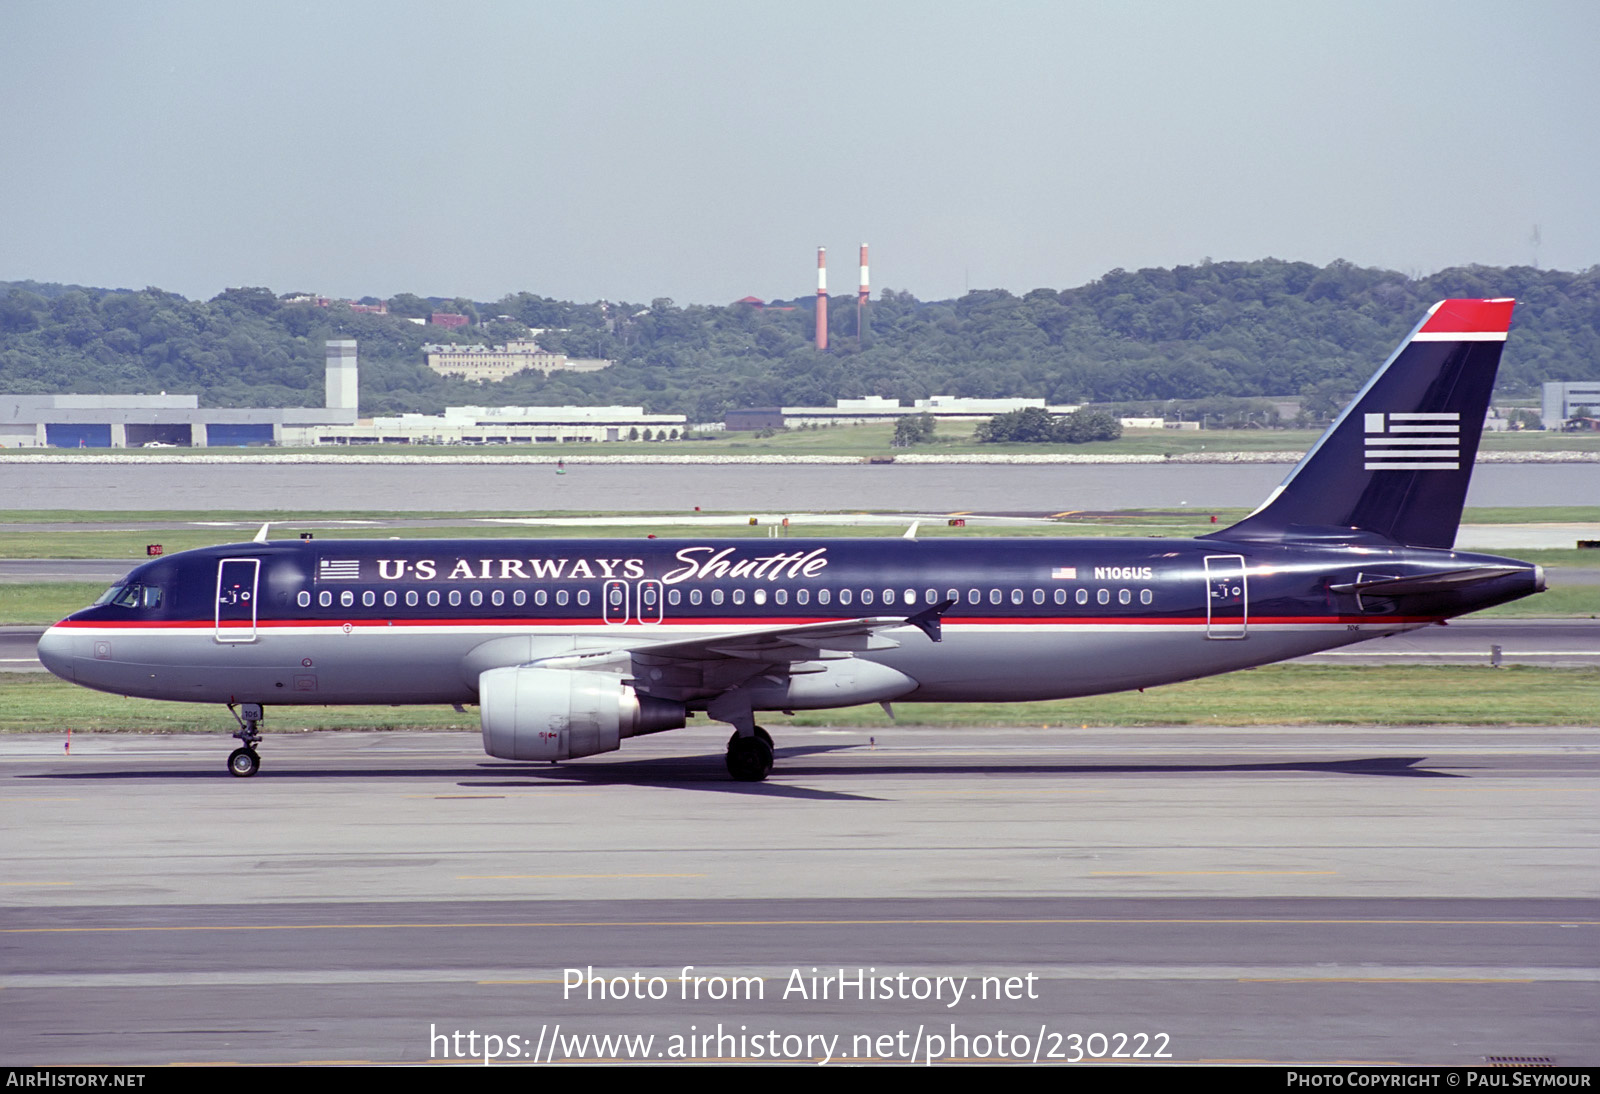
x=418, y=621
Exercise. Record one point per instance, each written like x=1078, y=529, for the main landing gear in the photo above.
x=750, y=758
x=244, y=762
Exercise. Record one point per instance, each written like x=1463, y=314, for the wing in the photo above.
x=708, y=665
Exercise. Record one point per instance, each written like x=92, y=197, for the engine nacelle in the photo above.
x=531, y=713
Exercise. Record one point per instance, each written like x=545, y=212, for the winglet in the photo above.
x=929, y=619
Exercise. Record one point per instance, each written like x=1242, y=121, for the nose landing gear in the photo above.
x=244, y=762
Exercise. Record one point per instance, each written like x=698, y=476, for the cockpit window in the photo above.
x=132, y=596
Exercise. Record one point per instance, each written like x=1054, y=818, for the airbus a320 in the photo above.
x=570, y=646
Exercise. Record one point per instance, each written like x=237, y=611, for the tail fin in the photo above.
x=1397, y=462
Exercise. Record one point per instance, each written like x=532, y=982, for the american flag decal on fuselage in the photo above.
x=332, y=569
x=1413, y=442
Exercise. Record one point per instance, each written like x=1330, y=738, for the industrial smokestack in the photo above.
x=822, y=298
x=861, y=300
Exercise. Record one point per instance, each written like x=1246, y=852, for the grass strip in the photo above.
x=1274, y=695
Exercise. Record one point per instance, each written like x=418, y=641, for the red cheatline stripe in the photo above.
x=1470, y=316
x=719, y=621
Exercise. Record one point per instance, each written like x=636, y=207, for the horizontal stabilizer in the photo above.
x=1427, y=583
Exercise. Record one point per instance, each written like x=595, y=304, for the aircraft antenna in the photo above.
x=261, y=536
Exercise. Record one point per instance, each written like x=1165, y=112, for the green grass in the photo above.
x=130, y=545
x=1556, y=602
x=45, y=602
x=1553, y=558
x=1279, y=694
x=1534, y=514
x=1292, y=695
x=33, y=703
x=103, y=538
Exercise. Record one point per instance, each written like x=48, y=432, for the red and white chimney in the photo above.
x=822, y=298
x=861, y=297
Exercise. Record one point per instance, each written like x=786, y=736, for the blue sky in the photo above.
x=702, y=151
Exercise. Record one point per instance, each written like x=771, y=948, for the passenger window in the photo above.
x=411, y=598
x=1038, y=596
x=304, y=599
x=1145, y=596
x=347, y=599
x=583, y=598
x=694, y=596
x=368, y=598
x=615, y=596
x=759, y=596
x=888, y=596
x=995, y=596
x=802, y=596
x=866, y=596
x=780, y=596
x=561, y=598
x=519, y=598
x=1083, y=596
x=738, y=596
x=674, y=597
x=540, y=598
x=974, y=596
x=716, y=596
x=455, y=598
x=1103, y=596
x=822, y=596
x=390, y=598
x=477, y=598
x=844, y=596
x=1124, y=597
x=1016, y=596
x=433, y=598
x=1061, y=596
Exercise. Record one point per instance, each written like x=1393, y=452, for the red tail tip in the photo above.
x=1470, y=317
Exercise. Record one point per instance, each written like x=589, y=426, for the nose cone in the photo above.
x=55, y=652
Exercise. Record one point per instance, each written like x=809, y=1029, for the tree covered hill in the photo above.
x=1221, y=328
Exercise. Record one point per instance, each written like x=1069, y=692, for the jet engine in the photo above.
x=532, y=713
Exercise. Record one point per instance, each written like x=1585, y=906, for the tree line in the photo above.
x=1235, y=331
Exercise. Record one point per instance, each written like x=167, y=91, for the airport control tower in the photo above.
x=342, y=374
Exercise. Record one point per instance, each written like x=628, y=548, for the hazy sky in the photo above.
x=702, y=151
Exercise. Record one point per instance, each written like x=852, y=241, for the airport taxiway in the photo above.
x=1286, y=894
